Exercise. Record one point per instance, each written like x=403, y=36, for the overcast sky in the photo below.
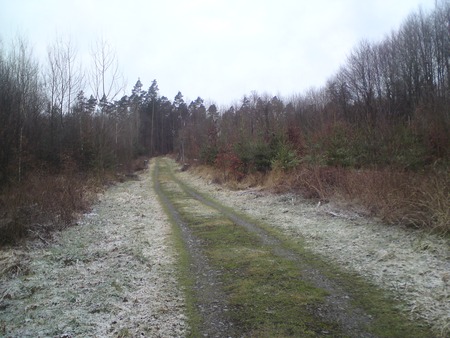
x=219, y=50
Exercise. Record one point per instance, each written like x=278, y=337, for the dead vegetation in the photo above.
x=419, y=200
x=43, y=201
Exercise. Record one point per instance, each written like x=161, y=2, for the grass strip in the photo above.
x=183, y=262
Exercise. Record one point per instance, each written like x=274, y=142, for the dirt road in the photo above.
x=119, y=272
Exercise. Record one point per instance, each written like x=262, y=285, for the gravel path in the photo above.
x=112, y=275
x=414, y=265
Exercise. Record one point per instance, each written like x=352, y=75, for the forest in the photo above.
x=376, y=134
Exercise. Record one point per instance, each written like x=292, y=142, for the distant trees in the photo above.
x=386, y=106
x=47, y=121
x=21, y=105
x=406, y=72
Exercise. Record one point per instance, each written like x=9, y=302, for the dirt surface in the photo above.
x=112, y=275
x=211, y=300
x=413, y=265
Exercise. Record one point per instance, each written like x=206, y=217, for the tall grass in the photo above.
x=413, y=199
x=419, y=200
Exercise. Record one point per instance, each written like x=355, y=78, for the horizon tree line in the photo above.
x=386, y=106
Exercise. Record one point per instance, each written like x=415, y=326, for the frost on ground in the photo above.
x=414, y=266
x=114, y=275
x=111, y=275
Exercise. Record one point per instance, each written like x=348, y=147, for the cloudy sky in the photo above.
x=216, y=49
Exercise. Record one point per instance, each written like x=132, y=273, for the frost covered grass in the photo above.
x=113, y=274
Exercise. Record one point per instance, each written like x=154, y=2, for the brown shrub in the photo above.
x=42, y=203
x=313, y=182
x=412, y=199
x=139, y=164
x=421, y=200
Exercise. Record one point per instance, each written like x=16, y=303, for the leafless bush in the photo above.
x=42, y=203
x=412, y=199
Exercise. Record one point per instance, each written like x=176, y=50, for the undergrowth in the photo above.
x=417, y=199
x=43, y=201
x=412, y=199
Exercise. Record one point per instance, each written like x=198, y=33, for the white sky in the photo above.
x=219, y=50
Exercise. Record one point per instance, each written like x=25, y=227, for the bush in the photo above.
x=230, y=165
x=255, y=156
x=285, y=158
x=343, y=147
x=407, y=198
x=406, y=149
x=208, y=154
x=41, y=203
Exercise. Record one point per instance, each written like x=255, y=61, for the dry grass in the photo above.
x=43, y=203
x=216, y=176
x=421, y=200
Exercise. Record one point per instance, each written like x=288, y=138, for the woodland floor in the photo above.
x=115, y=274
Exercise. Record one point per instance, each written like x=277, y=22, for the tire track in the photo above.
x=338, y=306
x=211, y=303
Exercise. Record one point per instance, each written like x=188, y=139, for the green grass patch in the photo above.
x=183, y=260
x=266, y=293
x=388, y=318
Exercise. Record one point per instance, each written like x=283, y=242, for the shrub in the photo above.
x=342, y=146
x=255, y=156
x=406, y=149
x=336, y=145
x=285, y=158
x=208, y=154
x=41, y=203
x=230, y=165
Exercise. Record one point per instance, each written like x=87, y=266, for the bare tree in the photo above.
x=64, y=80
x=106, y=81
x=64, y=76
